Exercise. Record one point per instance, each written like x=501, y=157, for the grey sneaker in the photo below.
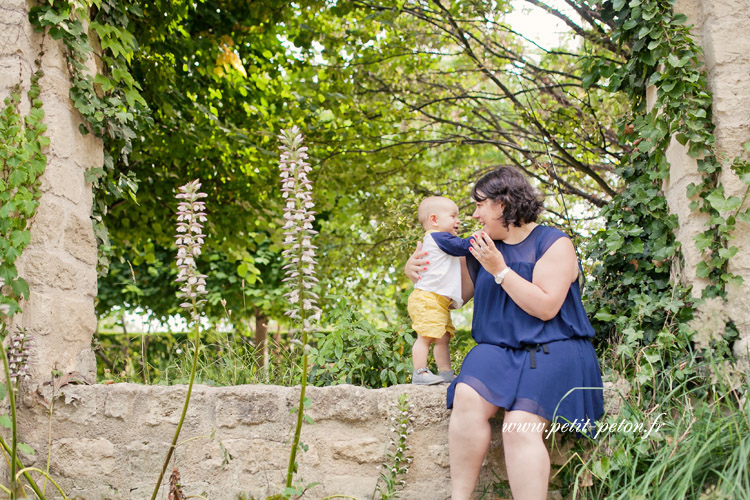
x=447, y=376
x=423, y=376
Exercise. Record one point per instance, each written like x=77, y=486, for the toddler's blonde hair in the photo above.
x=429, y=206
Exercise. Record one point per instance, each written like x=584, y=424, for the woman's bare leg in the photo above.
x=469, y=436
x=526, y=456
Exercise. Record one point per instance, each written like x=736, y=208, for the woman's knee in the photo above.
x=467, y=400
x=522, y=427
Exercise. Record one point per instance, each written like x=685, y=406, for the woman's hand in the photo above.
x=416, y=263
x=484, y=250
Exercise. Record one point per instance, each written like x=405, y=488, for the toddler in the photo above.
x=438, y=289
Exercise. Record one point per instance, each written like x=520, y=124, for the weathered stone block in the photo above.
x=65, y=181
x=68, y=357
x=119, y=401
x=82, y=457
x=163, y=405
x=365, y=449
x=47, y=222
x=329, y=404
x=46, y=269
x=80, y=241
x=70, y=406
x=14, y=71
x=258, y=455
x=261, y=406
x=439, y=454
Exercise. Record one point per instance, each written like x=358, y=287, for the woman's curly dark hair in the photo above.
x=521, y=201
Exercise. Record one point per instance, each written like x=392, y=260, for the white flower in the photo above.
x=296, y=189
x=189, y=240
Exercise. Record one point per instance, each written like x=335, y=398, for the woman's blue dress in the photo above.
x=520, y=362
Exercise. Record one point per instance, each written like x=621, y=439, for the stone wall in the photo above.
x=109, y=441
x=721, y=28
x=60, y=262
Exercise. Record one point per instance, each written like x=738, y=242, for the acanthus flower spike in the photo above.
x=189, y=239
x=19, y=354
x=296, y=191
x=298, y=228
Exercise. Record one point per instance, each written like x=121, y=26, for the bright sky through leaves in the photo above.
x=539, y=25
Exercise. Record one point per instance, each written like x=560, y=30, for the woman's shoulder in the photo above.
x=551, y=231
x=546, y=236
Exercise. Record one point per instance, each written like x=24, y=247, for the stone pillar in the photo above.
x=60, y=262
x=720, y=27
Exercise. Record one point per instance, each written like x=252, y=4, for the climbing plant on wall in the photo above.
x=22, y=162
x=637, y=251
x=106, y=95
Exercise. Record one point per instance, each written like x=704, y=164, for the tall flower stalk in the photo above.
x=15, y=365
x=296, y=190
x=190, y=218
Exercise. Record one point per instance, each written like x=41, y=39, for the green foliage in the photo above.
x=220, y=80
x=660, y=360
x=388, y=120
x=356, y=352
x=634, y=295
x=239, y=284
x=110, y=101
x=695, y=428
x=637, y=251
x=225, y=362
x=22, y=163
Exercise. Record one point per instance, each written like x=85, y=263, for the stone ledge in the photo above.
x=109, y=440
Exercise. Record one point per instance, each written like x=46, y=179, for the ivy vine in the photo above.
x=22, y=162
x=637, y=249
x=110, y=102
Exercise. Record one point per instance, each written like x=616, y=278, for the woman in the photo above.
x=532, y=337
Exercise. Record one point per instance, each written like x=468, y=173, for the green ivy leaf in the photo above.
x=721, y=204
x=744, y=216
x=703, y=241
x=25, y=448
x=679, y=19
x=603, y=314
x=5, y=421
x=20, y=288
x=728, y=253
x=702, y=270
x=17, y=177
x=20, y=239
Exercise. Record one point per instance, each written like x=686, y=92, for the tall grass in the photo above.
x=702, y=451
x=233, y=363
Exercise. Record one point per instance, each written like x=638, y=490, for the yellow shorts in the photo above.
x=430, y=314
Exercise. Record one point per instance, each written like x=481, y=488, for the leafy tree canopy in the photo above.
x=397, y=99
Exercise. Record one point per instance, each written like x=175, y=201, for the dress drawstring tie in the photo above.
x=532, y=350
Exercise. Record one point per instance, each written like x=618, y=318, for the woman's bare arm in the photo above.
x=467, y=286
x=553, y=273
x=543, y=296
x=416, y=263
